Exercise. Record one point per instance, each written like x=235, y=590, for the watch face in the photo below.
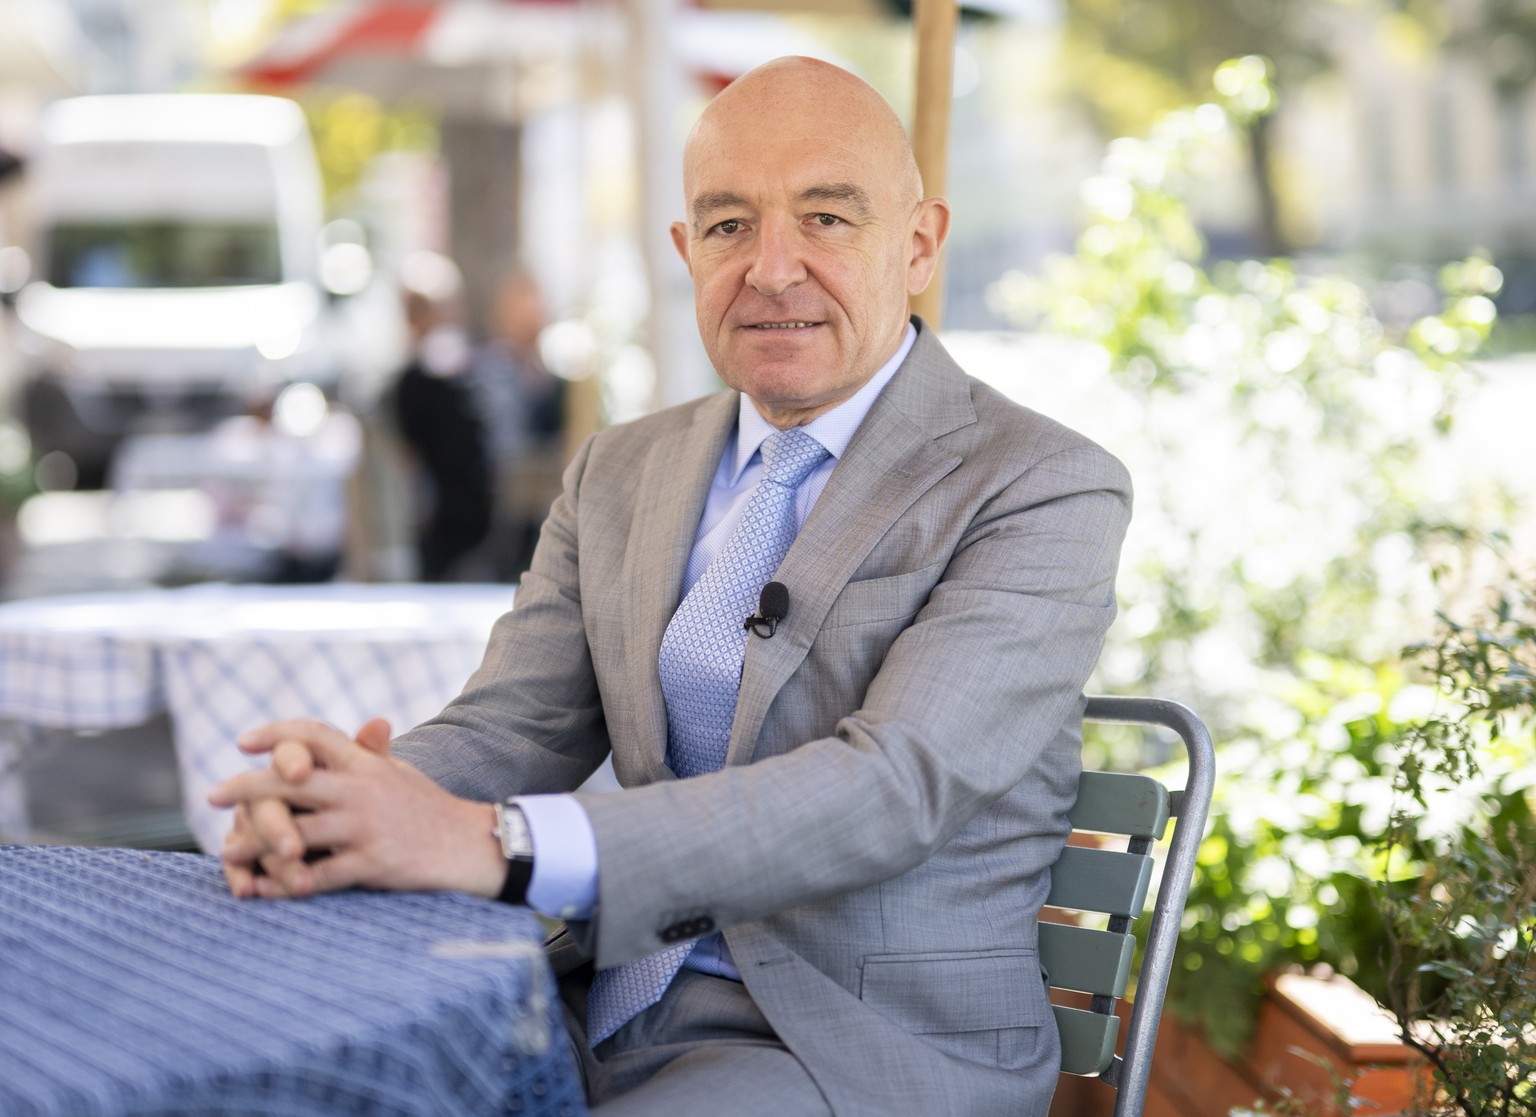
x=512, y=828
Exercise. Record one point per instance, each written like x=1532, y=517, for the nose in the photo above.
x=777, y=264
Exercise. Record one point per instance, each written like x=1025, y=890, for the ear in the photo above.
x=680, y=242
x=930, y=228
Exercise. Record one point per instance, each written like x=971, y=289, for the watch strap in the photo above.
x=512, y=831
x=514, y=889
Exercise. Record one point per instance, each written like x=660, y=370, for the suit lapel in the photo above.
x=893, y=459
x=675, y=484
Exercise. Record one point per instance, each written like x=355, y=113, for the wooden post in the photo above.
x=933, y=22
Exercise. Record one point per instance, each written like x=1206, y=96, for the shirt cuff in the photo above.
x=564, y=884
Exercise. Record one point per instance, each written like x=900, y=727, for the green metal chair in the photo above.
x=1096, y=961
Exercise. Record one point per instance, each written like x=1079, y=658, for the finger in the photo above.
x=340, y=871
x=241, y=880
x=239, y=830
x=238, y=857
x=272, y=820
x=323, y=830
x=242, y=845
x=330, y=746
x=292, y=761
x=269, y=887
x=374, y=736
x=264, y=783
x=284, y=878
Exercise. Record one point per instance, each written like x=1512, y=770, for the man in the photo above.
x=519, y=403
x=433, y=404
x=904, y=745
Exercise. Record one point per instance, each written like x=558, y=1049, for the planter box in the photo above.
x=1302, y=1019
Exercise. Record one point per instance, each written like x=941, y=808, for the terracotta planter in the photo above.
x=1303, y=1019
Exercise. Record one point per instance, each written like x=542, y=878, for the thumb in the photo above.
x=374, y=736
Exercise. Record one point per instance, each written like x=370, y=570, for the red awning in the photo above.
x=305, y=48
x=353, y=33
x=369, y=42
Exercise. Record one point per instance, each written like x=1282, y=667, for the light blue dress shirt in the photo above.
x=564, y=883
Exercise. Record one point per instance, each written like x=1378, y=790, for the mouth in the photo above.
x=782, y=325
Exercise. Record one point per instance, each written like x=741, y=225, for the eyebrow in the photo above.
x=848, y=192
x=705, y=204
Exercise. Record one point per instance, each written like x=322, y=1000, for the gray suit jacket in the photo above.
x=904, y=752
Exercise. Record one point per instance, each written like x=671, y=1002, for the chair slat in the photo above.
x=1100, y=880
x=1087, y=1039
x=1086, y=959
x=1121, y=803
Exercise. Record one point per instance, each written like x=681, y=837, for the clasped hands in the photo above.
x=376, y=821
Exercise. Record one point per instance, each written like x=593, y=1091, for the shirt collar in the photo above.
x=834, y=430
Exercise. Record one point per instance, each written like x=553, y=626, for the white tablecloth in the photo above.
x=221, y=659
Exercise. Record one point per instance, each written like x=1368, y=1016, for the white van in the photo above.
x=176, y=258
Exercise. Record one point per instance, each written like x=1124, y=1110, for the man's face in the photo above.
x=801, y=237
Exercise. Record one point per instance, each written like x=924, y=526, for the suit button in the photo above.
x=703, y=924
x=673, y=933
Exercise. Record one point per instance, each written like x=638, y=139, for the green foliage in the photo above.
x=1464, y=980
x=1461, y=924
x=1129, y=62
x=351, y=129
x=1491, y=668
x=1285, y=871
x=1161, y=53
x=1449, y=891
x=1293, y=532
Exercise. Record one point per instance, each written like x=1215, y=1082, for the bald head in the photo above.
x=806, y=233
x=793, y=95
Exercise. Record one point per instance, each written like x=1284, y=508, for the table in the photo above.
x=132, y=983
x=224, y=658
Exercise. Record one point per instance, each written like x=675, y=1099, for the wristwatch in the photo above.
x=517, y=847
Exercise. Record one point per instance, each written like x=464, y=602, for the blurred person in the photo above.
x=435, y=410
x=817, y=889
x=520, y=404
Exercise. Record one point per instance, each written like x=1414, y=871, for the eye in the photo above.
x=730, y=227
x=827, y=220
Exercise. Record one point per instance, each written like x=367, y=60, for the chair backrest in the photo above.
x=1115, y=883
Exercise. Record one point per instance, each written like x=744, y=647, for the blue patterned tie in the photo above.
x=700, y=663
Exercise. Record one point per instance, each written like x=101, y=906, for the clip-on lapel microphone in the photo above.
x=772, y=607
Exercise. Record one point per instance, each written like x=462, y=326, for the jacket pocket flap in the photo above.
x=892, y=597
x=960, y=991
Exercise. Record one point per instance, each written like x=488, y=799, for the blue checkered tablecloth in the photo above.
x=222, y=659
x=132, y=983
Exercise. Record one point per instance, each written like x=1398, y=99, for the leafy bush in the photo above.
x=1454, y=893
x=1460, y=924
x=1297, y=524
